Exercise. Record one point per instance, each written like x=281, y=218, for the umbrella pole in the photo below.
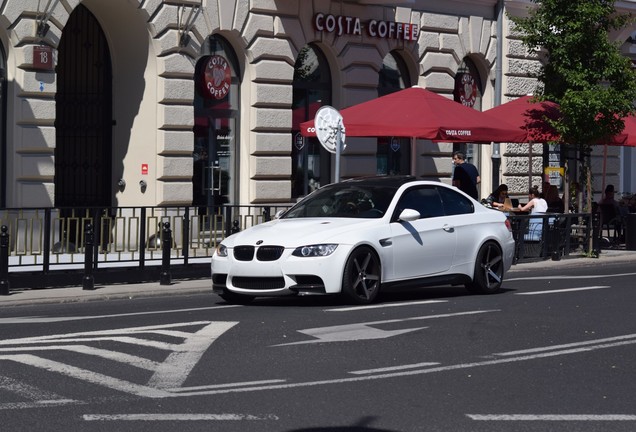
x=566, y=188
x=530, y=170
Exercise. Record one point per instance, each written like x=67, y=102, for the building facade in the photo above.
x=119, y=103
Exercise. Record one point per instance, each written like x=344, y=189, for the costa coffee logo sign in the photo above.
x=217, y=77
x=378, y=29
x=466, y=90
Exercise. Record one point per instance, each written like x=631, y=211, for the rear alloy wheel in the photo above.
x=489, y=269
x=234, y=298
x=361, y=277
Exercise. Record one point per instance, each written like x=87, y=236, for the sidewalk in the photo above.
x=194, y=286
x=105, y=292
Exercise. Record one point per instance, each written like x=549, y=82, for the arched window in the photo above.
x=311, y=163
x=393, y=153
x=216, y=126
x=394, y=75
x=468, y=91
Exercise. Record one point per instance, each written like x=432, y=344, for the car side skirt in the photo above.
x=447, y=279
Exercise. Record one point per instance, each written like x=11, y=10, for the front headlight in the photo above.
x=221, y=250
x=315, y=250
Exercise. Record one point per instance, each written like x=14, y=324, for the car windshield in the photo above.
x=342, y=200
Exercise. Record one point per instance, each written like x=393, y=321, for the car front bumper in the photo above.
x=287, y=275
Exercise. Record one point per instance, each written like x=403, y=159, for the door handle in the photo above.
x=448, y=228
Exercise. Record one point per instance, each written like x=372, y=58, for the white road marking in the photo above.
x=552, y=417
x=568, y=346
x=404, y=373
x=170, y=373
x=86, y=375
x=176, y=417
x=40, y=404
x=228, y=385
x=173, y=371
x=39, y=320
x=101, y=333
x=348, y=333
x=393, y=368
x=385, y=305
x=132, y=360
x=597, y=276
x=365, y=331
x=564, y=290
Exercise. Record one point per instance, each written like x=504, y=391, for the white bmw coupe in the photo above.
x=362, y=236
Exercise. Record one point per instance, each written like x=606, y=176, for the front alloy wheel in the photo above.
x=361, y=278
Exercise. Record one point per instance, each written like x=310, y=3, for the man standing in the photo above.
x=465, y=176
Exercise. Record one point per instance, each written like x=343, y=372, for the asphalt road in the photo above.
x=553, y=352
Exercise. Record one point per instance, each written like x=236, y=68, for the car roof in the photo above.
x=386, y=181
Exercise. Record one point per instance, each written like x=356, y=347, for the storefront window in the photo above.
x=311, y=163
x=216, y=110
x=393, y=153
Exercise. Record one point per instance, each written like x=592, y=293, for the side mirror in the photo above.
x=409, y=215
x=278, y=214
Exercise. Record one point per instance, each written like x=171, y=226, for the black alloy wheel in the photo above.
x=361, y=278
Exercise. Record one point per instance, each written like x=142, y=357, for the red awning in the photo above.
x=419, y=113
x=529, y=117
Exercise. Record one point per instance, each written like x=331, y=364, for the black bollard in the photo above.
x=88, y=282
x=166, y=243
x=596, y=234
x=4, y=261
x=555, y=239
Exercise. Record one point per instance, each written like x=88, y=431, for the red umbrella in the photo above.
x=628, y=136
x=529, y=117
x=419, y=113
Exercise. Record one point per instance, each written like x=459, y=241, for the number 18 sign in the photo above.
x=43, y=57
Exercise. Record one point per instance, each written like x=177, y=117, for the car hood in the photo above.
x=298, y=232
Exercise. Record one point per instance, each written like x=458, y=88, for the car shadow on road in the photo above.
x=360, y=427
x=394, y=296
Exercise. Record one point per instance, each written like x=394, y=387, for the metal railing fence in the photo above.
x=552, y=235
x=46, y=239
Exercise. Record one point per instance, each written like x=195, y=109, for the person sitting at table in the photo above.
x=612, y=212
x=499, y=195
x=555, y=203
x=536, y=205
x=609, y=197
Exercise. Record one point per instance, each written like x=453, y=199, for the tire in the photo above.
x=361, y=277
x=489, y=270
x=234, y=298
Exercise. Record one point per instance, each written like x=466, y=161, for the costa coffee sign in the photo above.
x=216, y=77
x=466, y=89
x=341, y=25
